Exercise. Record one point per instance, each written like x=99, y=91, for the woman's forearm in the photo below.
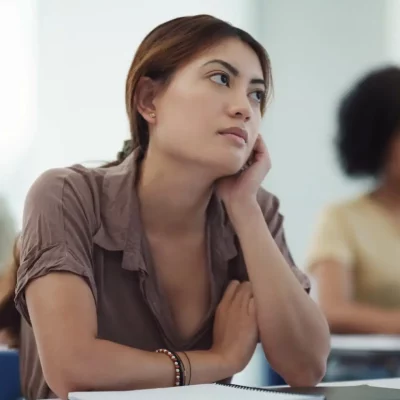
x=352, y=317
x=105, y=365
x=293, y=331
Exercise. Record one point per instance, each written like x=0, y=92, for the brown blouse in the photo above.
x=87, y=222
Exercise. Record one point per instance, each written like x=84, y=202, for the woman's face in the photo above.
x=209, y=114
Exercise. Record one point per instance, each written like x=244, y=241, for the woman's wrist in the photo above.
x=221, y=364
x=241, y=214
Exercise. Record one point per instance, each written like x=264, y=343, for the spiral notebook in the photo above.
x=195, y=392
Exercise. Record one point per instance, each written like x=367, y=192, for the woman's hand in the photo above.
x=235, y=327
x=243, y=187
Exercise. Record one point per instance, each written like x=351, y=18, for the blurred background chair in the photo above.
x=10, y=387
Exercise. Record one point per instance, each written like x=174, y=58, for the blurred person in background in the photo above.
x=10, y=319
x=7, y=233
x=7, y=276
x=174, y=247
x=355, y=251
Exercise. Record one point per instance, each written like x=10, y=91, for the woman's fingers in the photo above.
x=243, y=295
x=230, y=294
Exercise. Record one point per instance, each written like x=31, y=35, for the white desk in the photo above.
x=365, y=343
x=385, y=383
x=392, y=383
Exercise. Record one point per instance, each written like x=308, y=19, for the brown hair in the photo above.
x=10, y=319
x=168, y=47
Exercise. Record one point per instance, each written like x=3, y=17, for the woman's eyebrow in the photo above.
x=233, y=70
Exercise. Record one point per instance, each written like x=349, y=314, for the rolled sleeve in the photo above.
x=270, y=207
x=58, y=226
x=331, y=240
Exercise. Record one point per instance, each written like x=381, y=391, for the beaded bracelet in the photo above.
x=178, y=365
x=183, y=369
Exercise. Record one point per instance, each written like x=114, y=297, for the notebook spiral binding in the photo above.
x=256, y=389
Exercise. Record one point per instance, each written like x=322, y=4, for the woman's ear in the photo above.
x=144, y=98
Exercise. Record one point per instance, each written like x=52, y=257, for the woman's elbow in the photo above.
x=61, y=384
x=64, y=377
x=307, y=376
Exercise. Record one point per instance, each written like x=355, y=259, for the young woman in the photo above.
x=174, y=247
x=356, y=249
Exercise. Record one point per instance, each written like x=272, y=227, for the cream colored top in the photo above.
x=361, y=235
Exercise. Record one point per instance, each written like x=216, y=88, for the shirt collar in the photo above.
x=120, y=223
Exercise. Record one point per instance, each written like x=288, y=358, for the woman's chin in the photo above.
x=222, y=165
x=229, y=169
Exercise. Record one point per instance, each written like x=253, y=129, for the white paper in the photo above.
x=195, y=392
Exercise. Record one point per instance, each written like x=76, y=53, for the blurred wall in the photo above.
x=318, y=48
x=393, y=30
x=18, y=106
x=84, y=52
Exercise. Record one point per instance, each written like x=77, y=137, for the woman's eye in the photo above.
x=258, y=95
x=221, y=79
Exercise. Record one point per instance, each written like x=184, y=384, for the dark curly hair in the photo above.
x=368, y=118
